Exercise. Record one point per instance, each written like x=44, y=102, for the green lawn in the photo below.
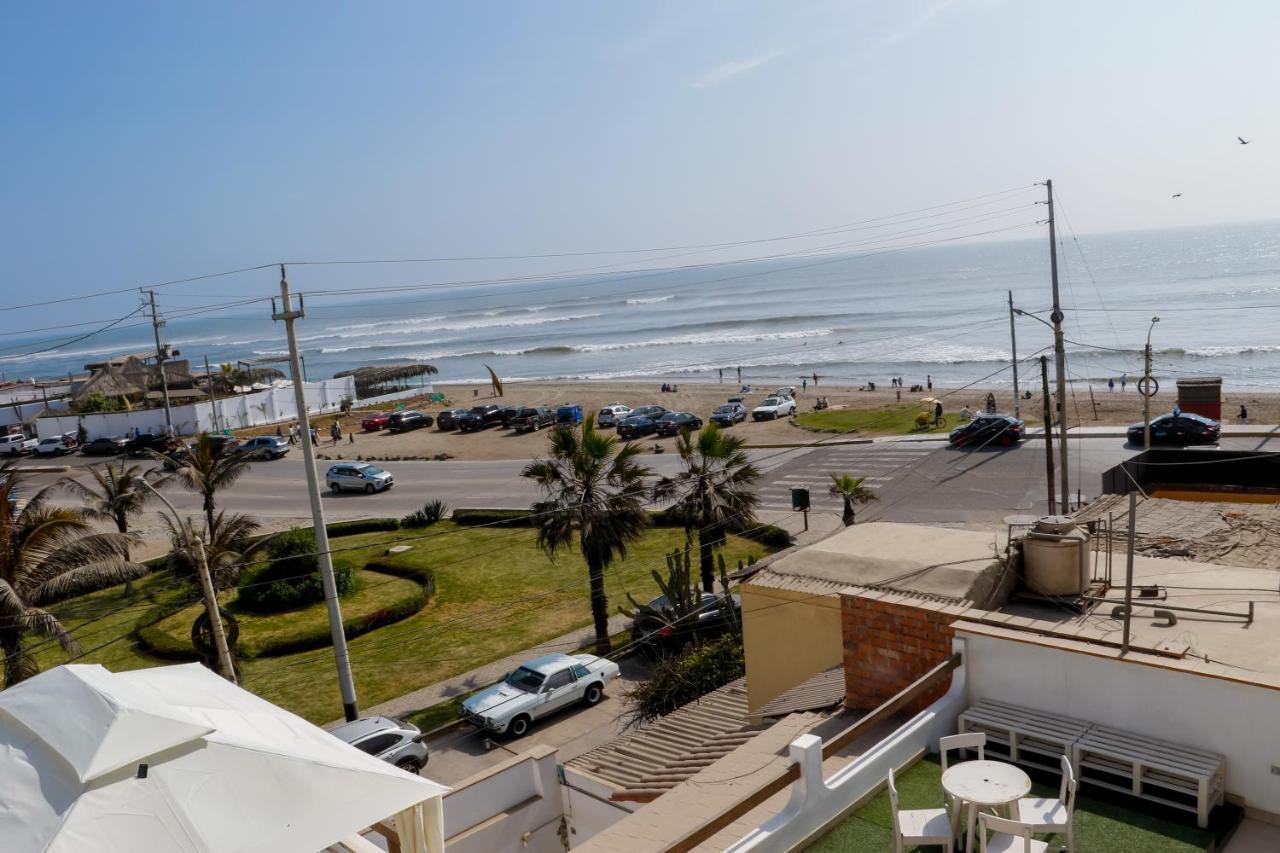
x=1101, y=827
x=496, y=594
x=894, y=420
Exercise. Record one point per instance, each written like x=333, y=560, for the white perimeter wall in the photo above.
x=1240, y=721
x=492, y=811
x=272, y=405
x=16, y=413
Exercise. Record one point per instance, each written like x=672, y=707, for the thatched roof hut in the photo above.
x=111, y=384
x=372, y=380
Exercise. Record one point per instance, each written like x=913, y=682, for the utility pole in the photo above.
x=213, y=404
x=1144, y=387
x=1013, y=346
x=156, y=323
x=1059, y=353
x=346, y=682
x=1128, y=569
x=1048, y=434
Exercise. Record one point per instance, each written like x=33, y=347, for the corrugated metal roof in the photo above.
x=796, y=583
x=650, y=761
x=824, y=690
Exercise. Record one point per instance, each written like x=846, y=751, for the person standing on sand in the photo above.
x=815, y=379
x=1244, y=414
x=928, y=380
x=804, y=385
x=1111, y=385
x=1124, y=380
x=739, y=375
x=722, y=376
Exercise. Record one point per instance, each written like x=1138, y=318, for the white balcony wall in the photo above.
x=512, y=807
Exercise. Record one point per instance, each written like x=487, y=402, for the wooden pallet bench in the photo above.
x=1155, y=770
x=1024, y=735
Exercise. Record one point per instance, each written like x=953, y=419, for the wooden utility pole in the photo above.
x=1048, y=433
x=346, y=682
x=1013, y=348
x=213, y=404
x=1059, y=351
x=161, y=354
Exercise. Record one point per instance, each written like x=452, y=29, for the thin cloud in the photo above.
x=919, y=22
x=729, y=70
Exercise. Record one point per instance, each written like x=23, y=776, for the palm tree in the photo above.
x=206, y=469
x=47, y=553
x=850, y=489
x=113, y=496
x=595, y=491
x=226, y=550
x=713, y=494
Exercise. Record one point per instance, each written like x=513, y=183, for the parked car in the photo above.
x=16, y=444
x=375, y=421
x=408, y=421
x=672, y=423
x=265, y=447
x=222, y=444
x=773, y=408
x=533, y=418
x=157, y=442
x=479, y=417
x=394, y=741
x=729, y=414
x=637, y=426
x=568, y=414
x=447, y=421
x=1179, y=429
x=507, y=414
x=785, y=391
x=653, y=412
x=56, y=445
x=984, y=429
x=612, y=414
x=107, y=445
x=654, y=632
x=358, y=477
x=537, y=688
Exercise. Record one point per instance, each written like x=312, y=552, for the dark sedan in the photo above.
x=985, y=430
x=408, y=421
x=157, y=442
x=447, y=421
x=637, y=426
x=479, y=417
x=729, y=414
x=657, y=629
x=673, y=423
x=105, y=446
x=1179, y=429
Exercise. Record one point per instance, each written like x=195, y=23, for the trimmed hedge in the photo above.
x=361, y=525
x=495, y=517
x=167, y=645
x=765, y=534
x=291, y=579
x=768, y=534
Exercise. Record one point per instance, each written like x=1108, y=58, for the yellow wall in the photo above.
x=788, y=637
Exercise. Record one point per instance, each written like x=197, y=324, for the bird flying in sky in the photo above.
x=1177, y=195
x=1243, y=141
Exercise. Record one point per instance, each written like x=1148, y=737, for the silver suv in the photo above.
x=264, y=447
x=358, y=477
x=394, y=741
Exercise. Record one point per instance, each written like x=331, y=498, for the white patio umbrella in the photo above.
x=177, y=759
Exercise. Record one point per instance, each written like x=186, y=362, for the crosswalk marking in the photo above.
x=878, y=465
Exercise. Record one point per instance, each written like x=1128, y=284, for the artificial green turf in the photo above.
x=496, y=594
x=1101, y=827
x=894, y=420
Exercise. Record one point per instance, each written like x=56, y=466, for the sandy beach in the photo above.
x=1112, y=408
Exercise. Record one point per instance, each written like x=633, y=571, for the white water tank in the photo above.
x=1055, y=557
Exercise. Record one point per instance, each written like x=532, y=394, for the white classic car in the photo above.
x=773, y=408
x=537, y=688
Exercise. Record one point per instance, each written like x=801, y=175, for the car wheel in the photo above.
x=411, y=765
x=370, y=489
x=519, y=727
x=593, y=695
x=335, y=488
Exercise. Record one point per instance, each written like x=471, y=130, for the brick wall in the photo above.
x=890, y=640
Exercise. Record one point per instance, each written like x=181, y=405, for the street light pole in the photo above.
x=206, y=586
x=346, y=683
x=1144, y=387
x=1013, y=345
x=1059, y=351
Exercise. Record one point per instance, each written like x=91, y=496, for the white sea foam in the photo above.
x=651, y=300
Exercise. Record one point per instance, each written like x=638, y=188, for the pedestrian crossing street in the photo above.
x=881, y=463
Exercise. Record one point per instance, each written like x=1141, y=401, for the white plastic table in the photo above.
x=984, y=783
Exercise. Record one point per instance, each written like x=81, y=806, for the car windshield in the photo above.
x=526, y=680
x=724, y=410
x=371, y=470
x=771, y=401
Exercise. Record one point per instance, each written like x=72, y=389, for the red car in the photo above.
x=375, y=422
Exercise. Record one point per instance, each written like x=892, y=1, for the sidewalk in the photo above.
x=1112, y=431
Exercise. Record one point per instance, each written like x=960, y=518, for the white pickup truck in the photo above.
x=16, y=444
x=537, y=688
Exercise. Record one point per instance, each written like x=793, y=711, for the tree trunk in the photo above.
x=847, y=518
x=122, y=525
x=707, y=539
x=599, y=607
x=208, y=518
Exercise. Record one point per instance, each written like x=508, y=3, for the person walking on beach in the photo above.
x=1111, y=385
x=928, y=380
x=722, y=376
x=315, y=436
x=804, y=385
x=1124, y=380
x=815, y=379
x=335, y=432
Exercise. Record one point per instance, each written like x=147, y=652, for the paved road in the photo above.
x=930, y=482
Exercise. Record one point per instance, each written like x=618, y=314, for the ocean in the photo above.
x=939, y=312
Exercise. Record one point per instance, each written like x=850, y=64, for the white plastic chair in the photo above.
x=1010, y=836
x=968, y=740
x=919, y=826
x=1048, y=815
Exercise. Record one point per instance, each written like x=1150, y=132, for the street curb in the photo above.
x=811, y=444
x=45, y=469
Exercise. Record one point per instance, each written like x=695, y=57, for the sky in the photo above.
x=150, y=141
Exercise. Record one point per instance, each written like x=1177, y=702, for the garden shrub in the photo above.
x=291, y=577
x=493, y=517
x=361, y=525
x=767, y=534
x=431, y=512
x=677, y=680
